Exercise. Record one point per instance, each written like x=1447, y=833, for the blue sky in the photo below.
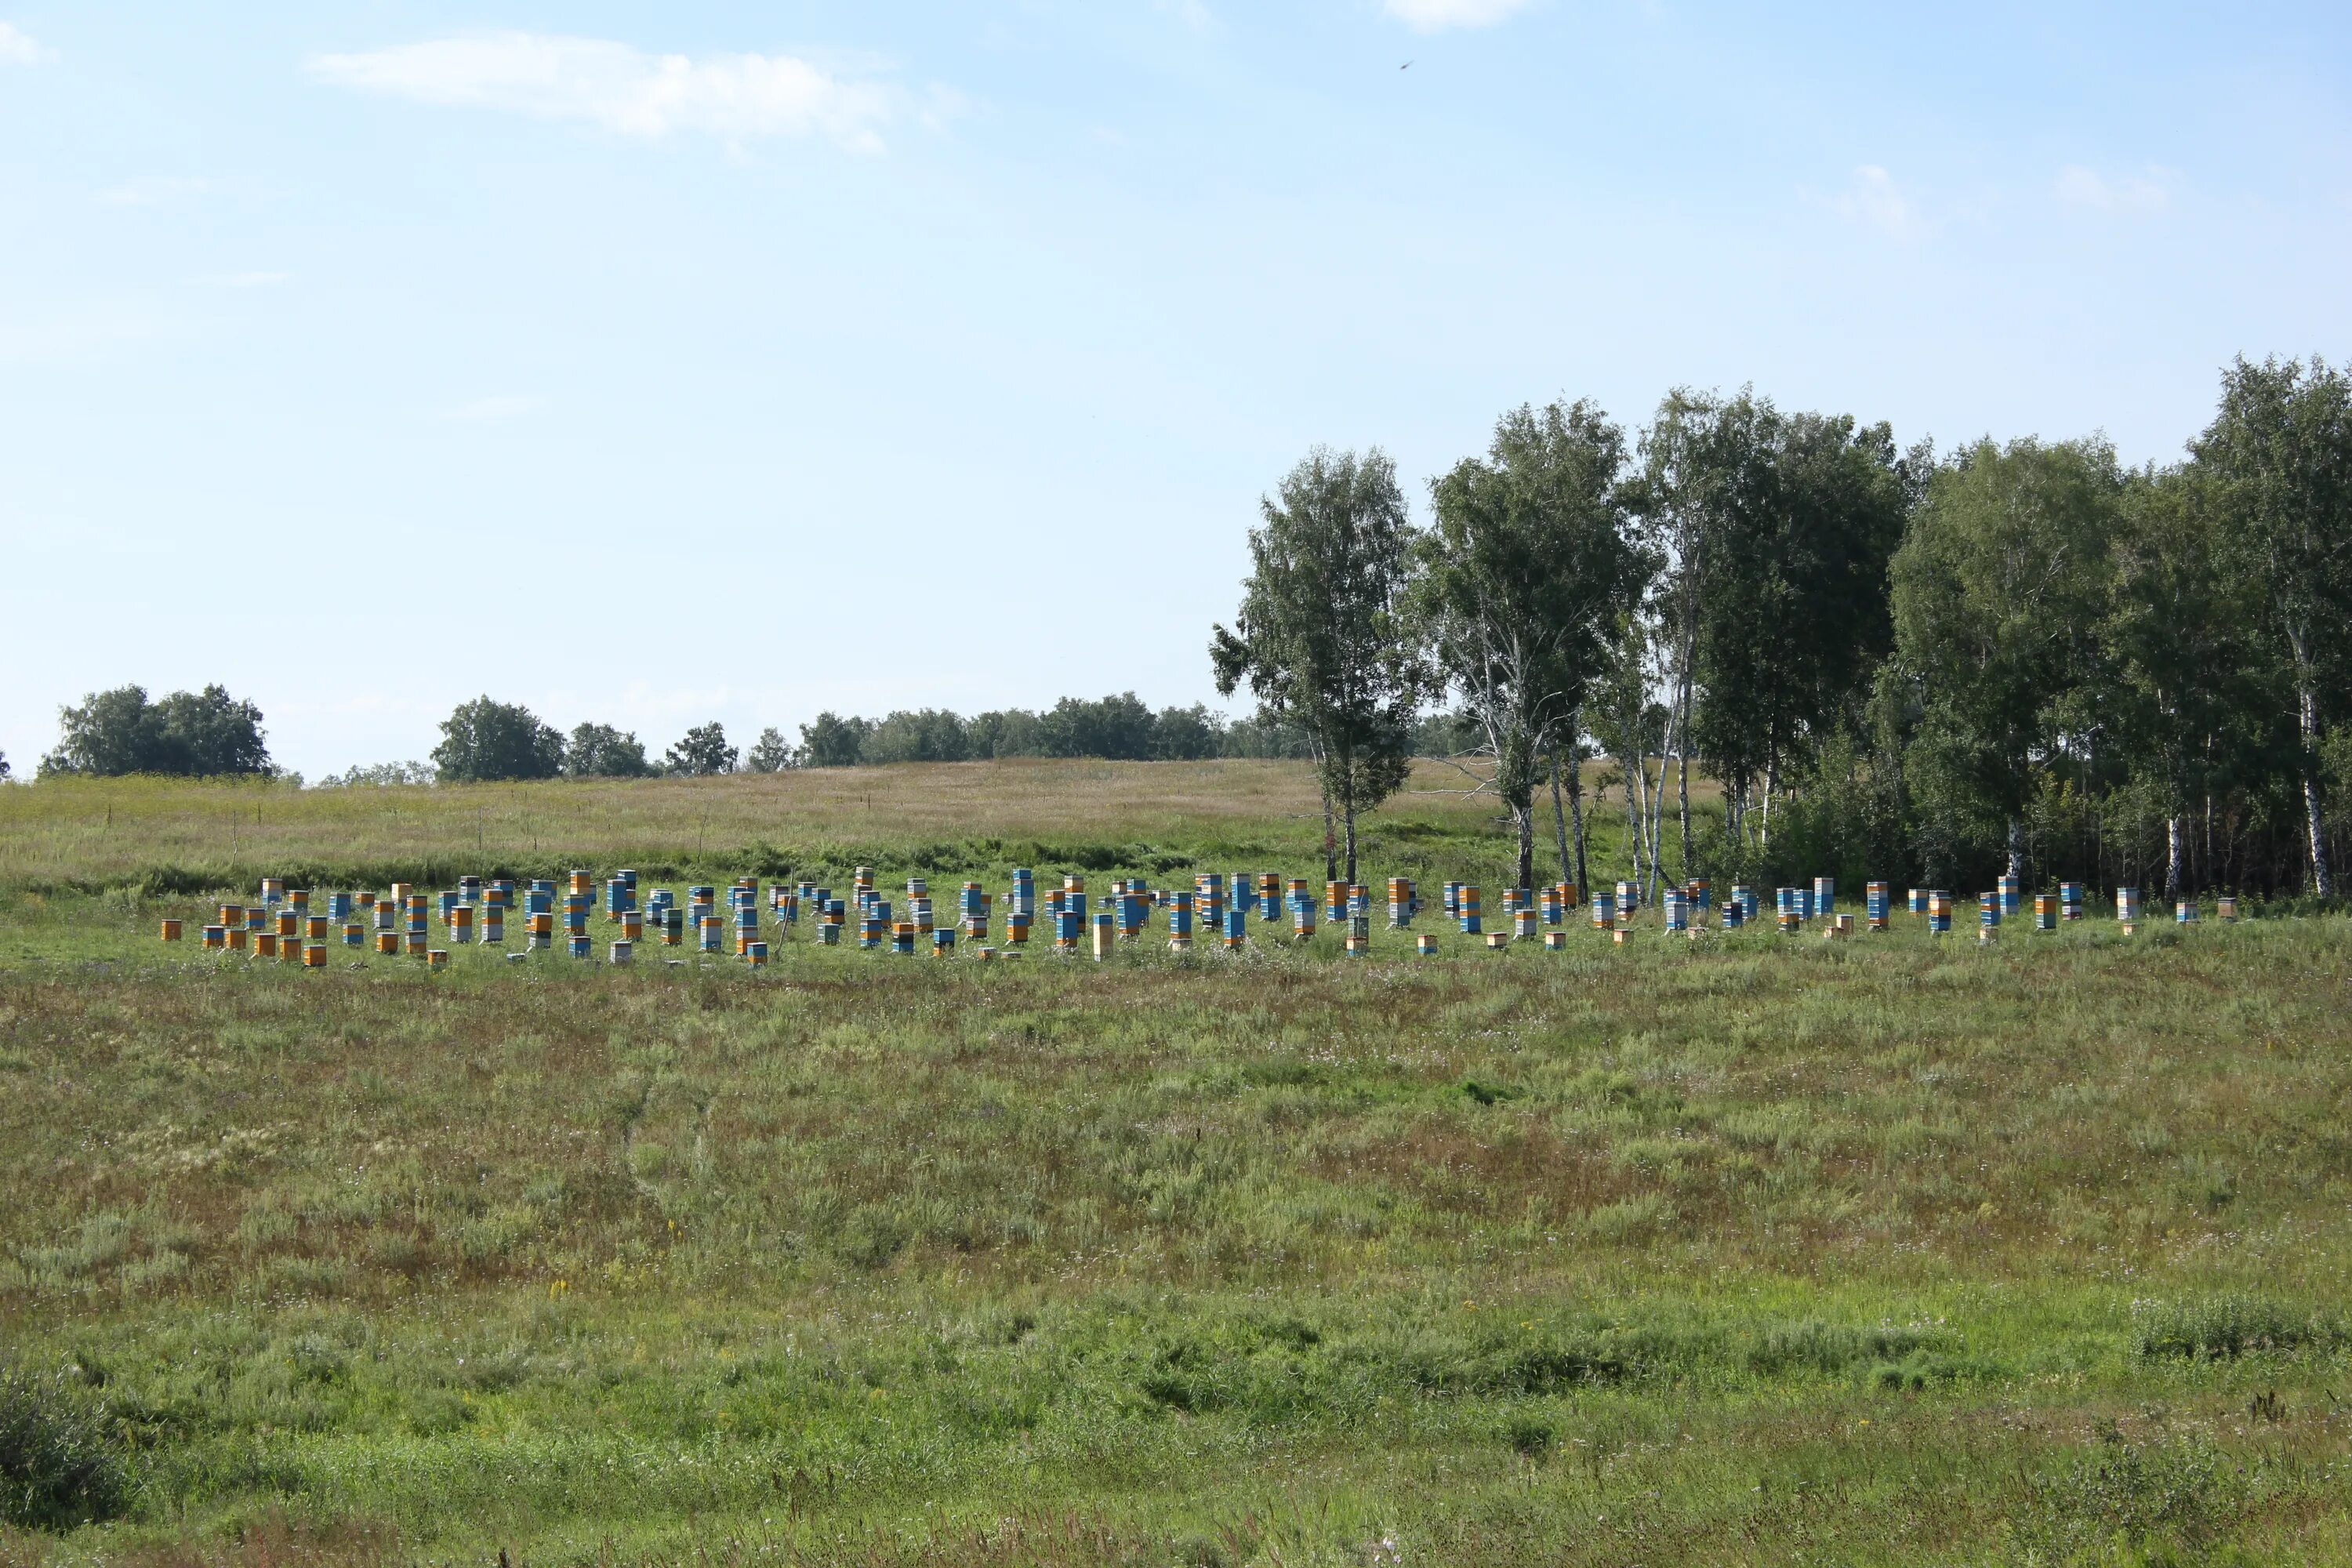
x=654, y=364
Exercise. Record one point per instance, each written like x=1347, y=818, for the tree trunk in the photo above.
x=2323, y=881
x=1636, y=790
x=1653, y=812
x=1350, y=815
x=1681, y=766
x=1331, y=867
x=1576, y=817
x=1559, y=825
x=2175, y=837
x=2017, y=846
x=1682, y=743
x=1526, y=815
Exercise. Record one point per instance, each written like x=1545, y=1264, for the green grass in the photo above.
x=185, y=837
x=1762, y=1250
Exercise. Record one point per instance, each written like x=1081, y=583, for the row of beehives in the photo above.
x=285, y=925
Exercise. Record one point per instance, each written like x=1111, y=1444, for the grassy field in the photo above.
x=1752, y=1251
x=172, y=836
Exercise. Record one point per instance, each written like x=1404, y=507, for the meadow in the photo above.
x=1752, y=1249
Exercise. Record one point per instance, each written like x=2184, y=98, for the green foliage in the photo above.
x=206, y=734
x=1521, y=578
x=701, y=752
x=1117, y=727
x=380, y=775
x=1999, y=590
x=2178, y=1494
x=931, y=735
x=483, y=741
x=771, y=754
x=1787, y=522
x=1322, y=637
x=829, y=741
x=58, y=1467
x=2276, y=468
x=601, y=751
x=2221, y=1326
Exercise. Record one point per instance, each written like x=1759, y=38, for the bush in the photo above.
x=2178, y=1493
x=57, y=1468
x=1816, y=1346
x=2218, y=1327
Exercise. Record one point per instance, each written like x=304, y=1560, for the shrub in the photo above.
x=57, y=1467
x=1530, y=1436
x=2216, y=1327
x=1817, y=1346
x=2175, y=1493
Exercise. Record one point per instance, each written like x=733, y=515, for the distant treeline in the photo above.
x=211, y=734
x=1117, y=729
x=487, y=739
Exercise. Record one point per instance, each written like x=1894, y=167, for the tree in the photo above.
x=1186, y=734
x=380, y=775
x=2192, y=687
x=1005, y=733
x=701, y=752
x=1807, y=510
x=1117, y=729
x=1521, y=579
x=3, y=765
x=601, y=751
x=1695, y=453
x=1998, y=593
x=211, y=734
x=191, y=734
x=1320, y=636
x=2278, y=459
x=923, y=735
x=483, y=741
x=833, y=741
x=771, y=754
x=112, y=733
x=1263, y=736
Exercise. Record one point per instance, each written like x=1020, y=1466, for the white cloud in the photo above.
x=2080, y=187
x=17, y=49
x=483, y=410
x=1875, y=200
x=622, y=88
x=1436, y=16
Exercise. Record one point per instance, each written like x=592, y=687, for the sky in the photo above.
x=659, y=364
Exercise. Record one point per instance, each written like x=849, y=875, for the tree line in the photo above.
x=211, y=734
x=2018, y=657
x=487, y=739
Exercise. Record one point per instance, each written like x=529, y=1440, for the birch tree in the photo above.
x=1322, y=637
x=1521, y=576
x=1998, y=593
x=2191, y=685
x=2278, y=457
